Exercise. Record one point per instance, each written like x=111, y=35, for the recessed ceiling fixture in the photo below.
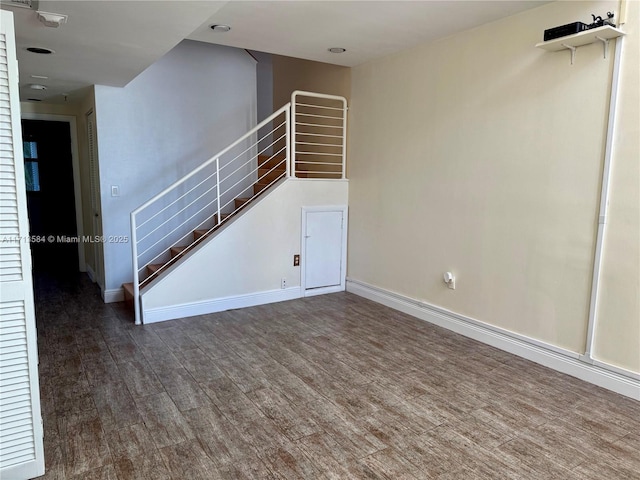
x=37, y=86
x=51, y=19
x=220, y=28
x=40, y=50
x=337, y=50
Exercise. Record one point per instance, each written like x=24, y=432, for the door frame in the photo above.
x=75, y=163
x=344, y=209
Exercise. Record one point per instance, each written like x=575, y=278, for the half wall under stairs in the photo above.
x=244, y=264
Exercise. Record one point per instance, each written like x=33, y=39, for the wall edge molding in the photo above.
x=547, y=355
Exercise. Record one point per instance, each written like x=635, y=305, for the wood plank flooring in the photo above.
x=328, y=387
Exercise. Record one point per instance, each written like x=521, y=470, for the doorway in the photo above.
x=51, y=196
x=324, y=237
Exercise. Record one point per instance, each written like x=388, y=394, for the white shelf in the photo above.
x=572, y=42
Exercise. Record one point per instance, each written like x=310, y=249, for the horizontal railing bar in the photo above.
x=318, y=135
x=252, y=197
x=190, y=232
x=318, y=163
x=319, y=106
x=318, y=153
x=179, y=211
x=176, y=228
x=184, y=236
x=317, y=172
x=304, y=93
x=255, y=156
x=321, y=144
x=212, y=159
x=180, y=197
x=273, y=156
x=150, y=262
x=318, y=125
x=319, y=116
x=260, y=177
x=255, y=144
x=250, y=173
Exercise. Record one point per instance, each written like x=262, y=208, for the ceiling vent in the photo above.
x=32, y=4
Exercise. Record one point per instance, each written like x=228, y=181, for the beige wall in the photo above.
x=291, y=74
x=617, y=338
x=482, y=155
x=48, y=108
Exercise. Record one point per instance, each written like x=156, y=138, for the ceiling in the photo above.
x=110, y=42
x=367, y=29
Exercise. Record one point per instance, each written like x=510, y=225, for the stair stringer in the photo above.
x=243, y=265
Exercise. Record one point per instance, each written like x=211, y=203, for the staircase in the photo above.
x=271, y=169
x=304, y=139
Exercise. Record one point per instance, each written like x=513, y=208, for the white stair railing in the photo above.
x=319, y=141
x=311, y=129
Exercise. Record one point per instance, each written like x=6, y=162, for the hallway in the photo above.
x=332, y=386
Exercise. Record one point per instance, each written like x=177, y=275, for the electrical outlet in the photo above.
x=296, y=260
x=450, y=280
x=283, y=283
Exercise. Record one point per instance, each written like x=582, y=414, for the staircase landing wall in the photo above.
x=244, y=264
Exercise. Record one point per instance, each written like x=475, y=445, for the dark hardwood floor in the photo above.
x=332, y=387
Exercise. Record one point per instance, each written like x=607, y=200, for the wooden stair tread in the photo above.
x=175, y=251
x=268, y=161
x=128, y=290
x=202, y=232
x=154, y=267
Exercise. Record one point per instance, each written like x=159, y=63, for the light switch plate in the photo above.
x=115, y=191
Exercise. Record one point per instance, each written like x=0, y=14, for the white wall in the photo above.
x=252, y=254
x=482, y=155
x=175, y=115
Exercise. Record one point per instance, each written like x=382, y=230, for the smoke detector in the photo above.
x=51, y=19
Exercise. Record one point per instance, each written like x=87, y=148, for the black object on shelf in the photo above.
x=564, y=30
x=577, y=27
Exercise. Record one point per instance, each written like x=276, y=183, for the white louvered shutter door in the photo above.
x=21, y=448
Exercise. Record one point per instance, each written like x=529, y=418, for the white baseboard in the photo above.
x=162, y=314
x=323, y=290
x=112, y=296
x=564, y=361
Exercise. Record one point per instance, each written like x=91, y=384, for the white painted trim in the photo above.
x=344, y=209
x=296, y=179
x=214, y=305
x=312, y=292
x=75, y=164
x=114, y=295
x=613, y=368
x=604, y=204
x=545, y=354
